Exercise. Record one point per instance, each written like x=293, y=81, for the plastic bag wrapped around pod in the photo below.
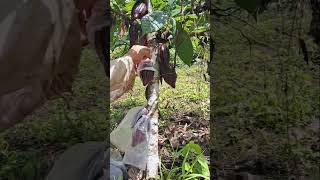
x=137, y=154
x=132, y=137
x=121, y=137
x=141, y=130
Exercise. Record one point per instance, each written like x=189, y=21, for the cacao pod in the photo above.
x=138, y=137
x=141, y=130
x=167, y=71
x=139, y=10
x=143, y=40
x=170, y=78
x=146, y=71
x=146, y=76
x=134, y=32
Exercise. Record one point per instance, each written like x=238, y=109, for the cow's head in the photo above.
x=94, y=17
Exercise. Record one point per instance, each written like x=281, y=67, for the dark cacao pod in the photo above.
x=170, y=78
x=167, y=71
x=141, y=129
x=146, y=76
x=138, y=137
x=143, y=40
x=134, y=32
x=146, y=71
x=139, y=10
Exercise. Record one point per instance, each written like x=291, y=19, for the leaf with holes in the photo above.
x=153, y=22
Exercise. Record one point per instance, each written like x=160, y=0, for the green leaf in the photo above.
x=171, y=3
x=175, y=12
x=153, y=22
x=174, y=26
x=187, y=167
x=200, y=29
x=204, y=164
x=195, y=147
x=190, y=147
x=129, y=6
x=196, y=176
x=184, y=46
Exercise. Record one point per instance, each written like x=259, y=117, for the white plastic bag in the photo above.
x=137, y=154
x=132, y=137
x=141, y=130
x=121, y=137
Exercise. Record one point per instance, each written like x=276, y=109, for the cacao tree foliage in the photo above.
x=265, y=88
x=182, y=25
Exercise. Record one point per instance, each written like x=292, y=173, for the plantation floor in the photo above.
x=265, y=99
x=28, y=150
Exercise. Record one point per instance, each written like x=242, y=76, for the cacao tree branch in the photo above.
x=152, y=92
x=153, y=96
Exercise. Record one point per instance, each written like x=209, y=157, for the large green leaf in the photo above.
x=153, y=22
x=129, y=6
x=191, y=146
x=184, y=46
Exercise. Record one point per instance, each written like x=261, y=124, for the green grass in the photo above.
x=254, y=117
x=28, y=150
x=190, y=95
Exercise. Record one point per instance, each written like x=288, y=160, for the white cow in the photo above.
x=40, y=48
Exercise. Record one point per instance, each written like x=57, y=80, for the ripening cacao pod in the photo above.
x=164, y=56
x=143, y=40
x=146, y=71
x=167, y=71
x=170, y=78
x=139, y=10
x=141, y=130
x=146, y=76
x=134, y=32
x=138, y=138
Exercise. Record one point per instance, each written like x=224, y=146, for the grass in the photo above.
x=28, y=150
x=190, y=95
x=263, y=96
